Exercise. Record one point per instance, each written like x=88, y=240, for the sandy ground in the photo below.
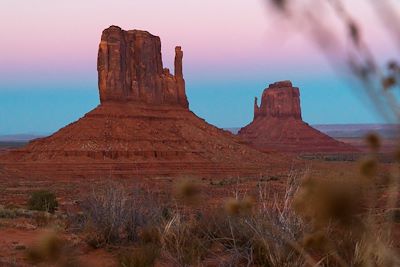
x=19, y=234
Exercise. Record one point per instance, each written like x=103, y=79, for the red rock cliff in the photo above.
x=280, y=100
x=130, y=68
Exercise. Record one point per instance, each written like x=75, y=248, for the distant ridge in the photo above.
x=333, y=130
x=19, y=137
x=349, y=130
x=359, y=130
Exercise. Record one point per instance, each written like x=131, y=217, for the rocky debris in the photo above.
x=130, y=68
x=278, y=125
x=143, y=126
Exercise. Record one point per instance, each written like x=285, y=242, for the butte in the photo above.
x=142, y=127
x=278, y=126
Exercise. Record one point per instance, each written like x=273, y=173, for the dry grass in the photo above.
x=318, y=222
x=183, y=242
x=315, y=222
x=112, y=215
x=143, y=256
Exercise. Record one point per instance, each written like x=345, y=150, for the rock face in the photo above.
x=278, y=126
x=143, y=126
x=130, y=69
x=281, y=100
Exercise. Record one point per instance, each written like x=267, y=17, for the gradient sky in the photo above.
x=232, y=50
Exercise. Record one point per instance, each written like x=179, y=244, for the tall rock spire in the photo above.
x=130, y=69
x=178, y=71
x=178, y=62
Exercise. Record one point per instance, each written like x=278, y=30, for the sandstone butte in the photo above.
x=278, y=126
x=142, y=127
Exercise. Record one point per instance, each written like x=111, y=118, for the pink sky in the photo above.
x=46, y=36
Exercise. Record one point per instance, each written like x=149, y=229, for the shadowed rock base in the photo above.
x=128, y=140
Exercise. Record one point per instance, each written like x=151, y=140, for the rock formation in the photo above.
x=143, y=125
x=281, y=100
x=278, y=126
x=130, y=69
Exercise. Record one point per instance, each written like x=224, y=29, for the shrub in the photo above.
x=262, y=232
x=144, y=256
x=43, y=201
x=51, y=250
x=48, y=249
x=42, y=219
x=106, y=213
x=111, y=215
x=7, y=213
x=183, y=241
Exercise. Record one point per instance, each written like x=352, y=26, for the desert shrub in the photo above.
x=312, y=223
x=259, y=231
x=42, y=219
x=106, y=213
x=48, y=249
x=43, y=201
x=111, y=215
x=75, y=221
x=145, y=214
x=345, y=225
x=51, y=250
x=150, y=235
x=7, y=213
x=143, y=256
x=148, y=251
x=183, y=241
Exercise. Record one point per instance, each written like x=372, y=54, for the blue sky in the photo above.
x=225, y=102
